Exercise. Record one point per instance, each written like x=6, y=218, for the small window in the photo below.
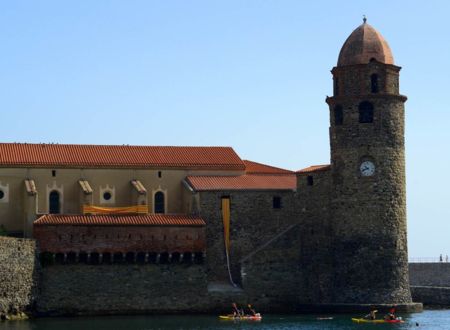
x=374, y=83
x=107, y=195
x=53, y=173
x=2, y=194
x=277, y=202
x=309, y=180
x=159, y=174
x=365, y=112
x=338, y=115
x=336, y=86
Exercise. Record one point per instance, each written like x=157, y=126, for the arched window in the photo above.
x=374, y=83
x=159, y=202
x=54, y=205
x=338, y=115
x=365, y=112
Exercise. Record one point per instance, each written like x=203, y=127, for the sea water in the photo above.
x=429, y=320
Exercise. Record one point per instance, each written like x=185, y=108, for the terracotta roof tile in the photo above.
x=120, y=220
x=258, y=168
x=242, y=182
x=315, y=168
x=113, y=156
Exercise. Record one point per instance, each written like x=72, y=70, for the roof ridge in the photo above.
x=118, y=156
x=108, y=145
x=148, y=219
x=265, y=165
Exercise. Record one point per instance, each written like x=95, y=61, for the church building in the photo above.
x=326, y=235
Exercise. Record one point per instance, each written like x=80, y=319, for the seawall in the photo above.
x=132, y=288
x=112, y=289
x=430, y=283
x=19, y=275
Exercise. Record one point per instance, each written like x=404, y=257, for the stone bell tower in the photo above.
x=368, y=206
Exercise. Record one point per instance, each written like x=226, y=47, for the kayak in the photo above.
x=377, y=321
x=256, y=317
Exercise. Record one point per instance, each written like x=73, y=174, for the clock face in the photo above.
x=367, y=168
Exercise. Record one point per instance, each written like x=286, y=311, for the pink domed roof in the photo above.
x=365, y=43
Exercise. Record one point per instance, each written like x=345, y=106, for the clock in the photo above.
x=367, y=168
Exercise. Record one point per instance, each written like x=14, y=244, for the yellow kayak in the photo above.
x=256, y=317
x=377, y=321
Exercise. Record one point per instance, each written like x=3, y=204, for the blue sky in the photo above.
x=248, y=74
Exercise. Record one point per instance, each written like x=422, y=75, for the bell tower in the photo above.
x=368, y=206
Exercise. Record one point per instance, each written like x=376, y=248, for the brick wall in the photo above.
x=111, y=239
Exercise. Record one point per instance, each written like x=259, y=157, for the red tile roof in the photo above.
x=258, y=168
x=242, y=182
x=315, y=168
x=120, y=220
x=114, y=156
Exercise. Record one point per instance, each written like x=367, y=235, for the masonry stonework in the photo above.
x=19, y=275
x=120, y=289
x=253, y=222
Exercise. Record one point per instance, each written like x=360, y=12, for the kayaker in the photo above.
x=372, y=315
x=251, y=310
x=391, y=314
x=235, y=310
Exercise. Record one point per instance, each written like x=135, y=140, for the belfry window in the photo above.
x=338, y=115
x=365, y=112
x=159, y=202
x=374, y=83
x=310, y=180
x=54, y=205
x=336, y=86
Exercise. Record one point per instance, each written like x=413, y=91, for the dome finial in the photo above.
x=364, y=19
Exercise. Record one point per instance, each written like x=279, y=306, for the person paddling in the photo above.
x=235, y=310
x=372, y=315
x=252, y=312
x=391, y=314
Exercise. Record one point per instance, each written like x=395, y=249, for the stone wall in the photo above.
x=110, y=289
x=253, y=222
x=315, y=238
x=19, y=273
x=369, y=212
x=429, y=274
x=431, y=296
x=430, y=283
x=272, y=277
